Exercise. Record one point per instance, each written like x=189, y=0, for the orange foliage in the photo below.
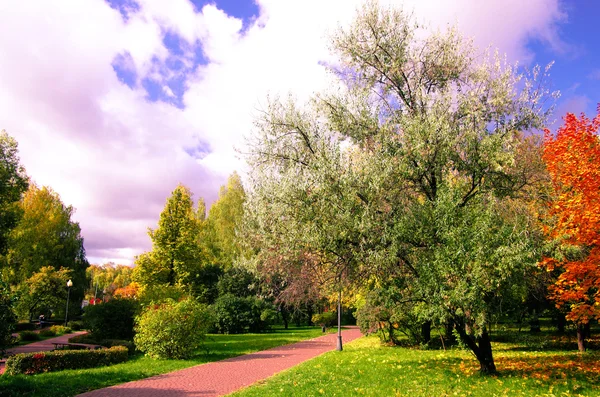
x=573, y=161
x=128, y=292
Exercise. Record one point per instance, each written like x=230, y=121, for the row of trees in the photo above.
x=413, y=179
x=40, y=246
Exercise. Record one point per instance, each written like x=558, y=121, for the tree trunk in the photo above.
x=581, y=337
x=449, y=334
x=486, y=359
x=284, y=316
x=426, y=332
x=561, y=322
x=483, y=351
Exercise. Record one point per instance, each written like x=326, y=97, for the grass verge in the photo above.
x=72, y=382
x=365, y=368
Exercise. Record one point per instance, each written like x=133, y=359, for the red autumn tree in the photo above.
x=573, y=161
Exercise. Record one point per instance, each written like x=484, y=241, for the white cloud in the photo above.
x=115, y=156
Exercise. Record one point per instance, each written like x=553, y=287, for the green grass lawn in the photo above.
x=72, y=382
x=367, y=368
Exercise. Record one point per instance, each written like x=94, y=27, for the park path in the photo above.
x=41, y=346
x=223, y=377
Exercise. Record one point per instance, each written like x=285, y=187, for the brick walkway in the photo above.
x=41, y=346
x=224, y=377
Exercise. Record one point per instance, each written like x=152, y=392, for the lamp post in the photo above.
x=69, y=285
x=339, y=324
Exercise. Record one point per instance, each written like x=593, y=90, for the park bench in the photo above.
x=63, y=345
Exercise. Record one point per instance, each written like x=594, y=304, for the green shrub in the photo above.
x=24, y=327
x=173, y=329
x=234, y=314
x=117, y=342
x=111, y=320
x=325, y=318
x=27, y=336
x=89, y=340
x=85, y=338
x=35, y=363
x=60, y=329
x=76, y=325
x=47, y=332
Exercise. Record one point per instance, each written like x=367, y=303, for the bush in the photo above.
x=85, y=338
x=234, y=315
x=325, y=318
x=27, y=336
x=60, y=329
x=76, y=325
x=111, y=320
x=173, y=329
x=89, y=340
x=35, y=363
x=24, y=327
x=117, y=342
x=47, y=332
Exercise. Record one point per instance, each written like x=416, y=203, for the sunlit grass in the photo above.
x=72, y=382
x=365, y=368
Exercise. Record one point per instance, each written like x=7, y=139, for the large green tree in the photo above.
x=224, y=219
x=13, y=182
x=46, y=236
x=406, y=169
x=176, y=255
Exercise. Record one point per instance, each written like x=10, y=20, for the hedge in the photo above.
x=35, y=363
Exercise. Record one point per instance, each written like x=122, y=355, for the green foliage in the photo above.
x=325, y=318
x=205, y=281
x=225, y=216
x=47, y=332
x=175, y=254
x=111, y=320
x=154, y=294
x=383, y=314
x=24, y=326
x=35, y=363
x=47, y=237
x=13, y=182
x=27, y=336
x=60, y=329
x=76, y=325
x=118, y=342
x=8, y=319
x=407, y=171
x=237, y=281
x=173, y=330
x=45, y=288
x=234, y=314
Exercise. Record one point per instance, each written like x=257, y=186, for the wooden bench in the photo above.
x=62, y=345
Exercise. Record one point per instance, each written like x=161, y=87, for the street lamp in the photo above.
x=69, y=285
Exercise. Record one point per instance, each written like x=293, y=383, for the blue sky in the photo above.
x=576, y=70
x=115, y=102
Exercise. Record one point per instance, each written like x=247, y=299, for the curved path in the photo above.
x=226, y=376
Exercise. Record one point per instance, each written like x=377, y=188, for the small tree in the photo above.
x=173, y=330
x=44, y=289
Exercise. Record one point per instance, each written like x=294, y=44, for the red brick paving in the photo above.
x=41, y=346
x=224, y=377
